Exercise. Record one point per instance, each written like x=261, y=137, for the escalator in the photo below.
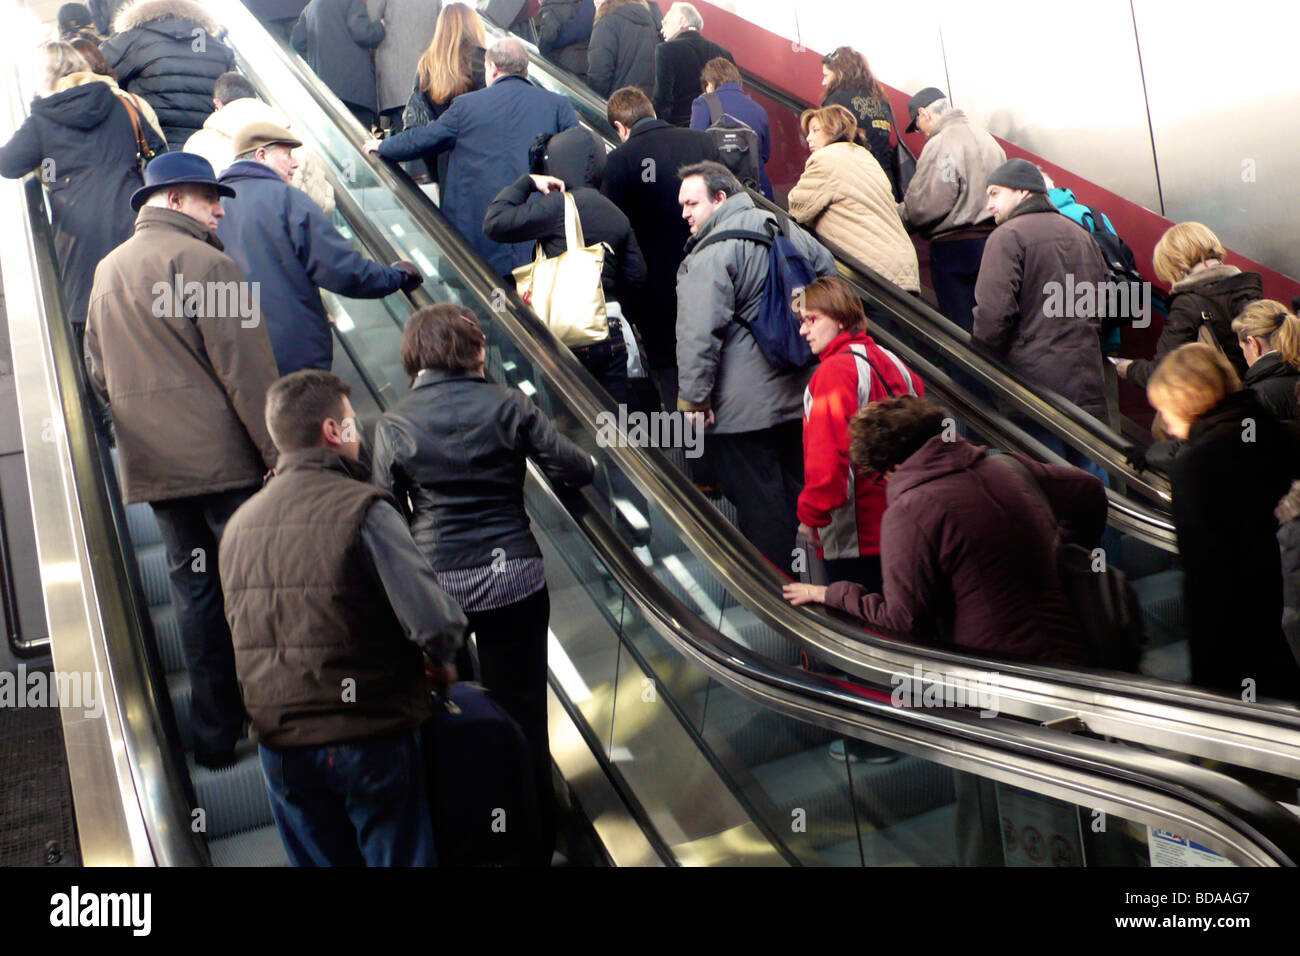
x=678, y=720
x=689, y=537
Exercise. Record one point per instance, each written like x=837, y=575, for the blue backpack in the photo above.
x=776, y=328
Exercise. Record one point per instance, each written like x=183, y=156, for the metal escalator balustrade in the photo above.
x=1147, y=711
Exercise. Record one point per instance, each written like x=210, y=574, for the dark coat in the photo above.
x=83, y=142
x=563, y=31
x=458, y=445
x=622, y=48
x=1274, y=381
x=283, y=242
x=335, y=37
x=678, y=63
x=969, y=554
x=1288, y=539
x=1022, y=289
x=736, y=103
x=650, y=203
x=489, y=133
x=102, y=12
x=1230, y=289
x=1224, y=490
x=873, y=120
x=152, y=54
x=521, y=214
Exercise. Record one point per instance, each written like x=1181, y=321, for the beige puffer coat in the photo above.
x=845, y=198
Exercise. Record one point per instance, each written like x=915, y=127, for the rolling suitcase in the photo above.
x=481, y=786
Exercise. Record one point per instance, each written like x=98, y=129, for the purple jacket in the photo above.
x=968, y=554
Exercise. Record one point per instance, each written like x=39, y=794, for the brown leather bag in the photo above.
x=142, y=151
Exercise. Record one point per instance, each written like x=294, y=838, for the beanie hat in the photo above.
x=1018, y=174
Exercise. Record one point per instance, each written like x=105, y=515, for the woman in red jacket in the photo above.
x=841, y=506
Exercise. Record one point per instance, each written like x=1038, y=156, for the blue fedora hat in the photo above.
x=173, y=169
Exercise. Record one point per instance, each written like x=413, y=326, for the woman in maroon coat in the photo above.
x=967, y=546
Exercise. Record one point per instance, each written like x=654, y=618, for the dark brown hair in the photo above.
x=885, y=434
x=297, y=404
x=90, y=50
x=628, y=105
x=444, y=336
x=851, y=72
x=833, y=297
x=717, y=71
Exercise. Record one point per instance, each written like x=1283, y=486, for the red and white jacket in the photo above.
x=844, y=503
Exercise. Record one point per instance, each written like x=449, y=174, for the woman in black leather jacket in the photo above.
x=456, y=446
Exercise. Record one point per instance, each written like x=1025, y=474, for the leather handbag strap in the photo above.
x=143, y=152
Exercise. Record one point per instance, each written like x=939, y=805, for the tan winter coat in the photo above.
x=949, y=190
x=845, y=198
x=187, y=386
x=215, y=143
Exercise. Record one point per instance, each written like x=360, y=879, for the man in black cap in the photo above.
x=945, y=200
x=176, y=345
x=286, y=245
x=1040, y=290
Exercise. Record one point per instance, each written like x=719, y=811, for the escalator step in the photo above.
x=152, y=562
x=260, y=847
x=167, y=629
x=143, y=526
x=178, y=688
x=764, y=640
x=234, y=799
x=1161, y=598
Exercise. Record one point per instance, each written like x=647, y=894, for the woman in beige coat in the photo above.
x=845, y=198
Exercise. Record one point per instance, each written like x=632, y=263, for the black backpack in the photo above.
x=1119, y=260
x=737, y=143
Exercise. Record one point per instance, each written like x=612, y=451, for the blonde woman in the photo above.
x=1206, y=291
x=1238, y=462
x=1269, y=335
x=846, y=199
x=451, y=65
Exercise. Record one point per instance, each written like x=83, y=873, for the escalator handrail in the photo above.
x=1047, y=407
x=1145, y=709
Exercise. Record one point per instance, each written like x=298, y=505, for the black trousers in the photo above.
x=191, y=530
x=511, y=644
x=954, y=267
x=762, y=473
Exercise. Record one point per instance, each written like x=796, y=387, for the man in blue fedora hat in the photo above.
x=176, y=345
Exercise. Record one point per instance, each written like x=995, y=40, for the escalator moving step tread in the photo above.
x=35, y=793
x=260, y=847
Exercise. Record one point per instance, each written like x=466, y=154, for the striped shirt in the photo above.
x=491, y=586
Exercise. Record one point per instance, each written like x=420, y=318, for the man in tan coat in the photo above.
x=175, y=343
x=946, y=198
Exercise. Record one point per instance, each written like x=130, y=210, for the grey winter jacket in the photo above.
x=948, y=191
x=719, y=364
x=408, y=30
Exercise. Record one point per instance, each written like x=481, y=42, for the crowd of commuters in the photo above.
x=162, y=162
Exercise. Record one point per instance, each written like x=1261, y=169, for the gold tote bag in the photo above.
x=565, y=290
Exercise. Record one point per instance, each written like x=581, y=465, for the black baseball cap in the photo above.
x=920, y=100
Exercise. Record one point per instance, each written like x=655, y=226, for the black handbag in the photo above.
x=904, y=161
x=1103, y=601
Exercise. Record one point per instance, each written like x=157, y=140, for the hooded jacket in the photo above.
x=1027, y=309
x=1288, y=539
x=948, y=191
x=969, y=554
x=185, y=375
x=489, y=133
x=171, y=53
x=1228, y=289
x=622, y=48
x=216, y=140
x=563, y=31
x=521, y=214
x=82, y=142
x=719, y=365
x=283, y=242
x=458, y=446
x=842, y=502
x=845, y=198
x=147, y=115
x=335, y=37
x=1224, y=491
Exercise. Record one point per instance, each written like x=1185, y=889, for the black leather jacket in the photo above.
x=456, y=445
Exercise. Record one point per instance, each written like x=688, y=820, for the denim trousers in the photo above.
x=360, y=803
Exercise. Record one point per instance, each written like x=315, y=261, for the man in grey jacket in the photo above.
x=754, y=413
x=945, y=200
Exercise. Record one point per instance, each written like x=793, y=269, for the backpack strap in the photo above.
x=715, y=108
x=747, y=234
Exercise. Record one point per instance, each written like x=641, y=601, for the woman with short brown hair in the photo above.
x=456, y=447
x=1237, y=464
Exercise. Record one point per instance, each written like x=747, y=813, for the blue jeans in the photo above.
x=361, y=803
